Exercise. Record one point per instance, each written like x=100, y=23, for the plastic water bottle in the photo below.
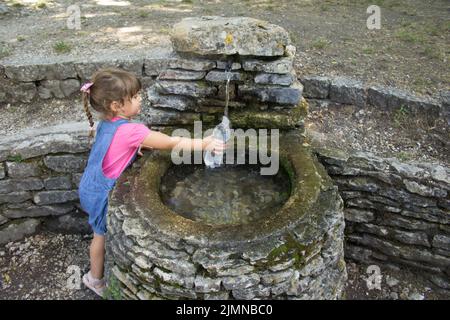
x=222, y=132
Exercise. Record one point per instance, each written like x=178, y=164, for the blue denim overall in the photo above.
x=94, y=186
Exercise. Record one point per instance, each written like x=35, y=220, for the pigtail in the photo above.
x=88, y=114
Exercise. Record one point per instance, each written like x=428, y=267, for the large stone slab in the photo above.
x=213, y=35
x=16, y=231
x=280, y=95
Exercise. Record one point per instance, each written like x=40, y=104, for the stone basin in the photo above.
x=294, y=253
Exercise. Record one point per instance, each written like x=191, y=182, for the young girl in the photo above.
x=114, y=93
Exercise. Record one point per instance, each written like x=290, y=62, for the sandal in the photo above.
x=96, y=285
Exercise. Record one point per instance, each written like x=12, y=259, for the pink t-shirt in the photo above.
x=124, y=144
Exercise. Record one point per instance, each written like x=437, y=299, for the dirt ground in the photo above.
x=46, y=265
x=399, y=134
x=410, y=51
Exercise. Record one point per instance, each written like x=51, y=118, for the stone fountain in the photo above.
x=294, y=251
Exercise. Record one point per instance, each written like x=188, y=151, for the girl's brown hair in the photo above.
x=108, y=85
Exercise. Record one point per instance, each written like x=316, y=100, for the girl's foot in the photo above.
x=96, y=285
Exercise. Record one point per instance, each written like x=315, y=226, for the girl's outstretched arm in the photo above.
x=159, y=140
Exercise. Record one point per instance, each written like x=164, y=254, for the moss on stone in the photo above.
x=291, y=118
x=290, y=249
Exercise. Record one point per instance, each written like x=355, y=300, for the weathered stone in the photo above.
x=277, y=277
x=245, y=294
x=182, y=267
x=173, y=74
x=131, y=64
x=192, y=64
x=72, y=222
x=280, y=66
x=440, y=281
x=440, y=174
x=444, y=203
x=221, y=93
x=412, y=224
x=51, y=197
x=193, y=89
x=66, y=163
x=153, y=67
x=18, y=230
x=235, y=270
x=280, y=95
x=407, y=253
x=67, y=137
x=358, y=183
x=15, y=197
x=38, y=211
x=2, y=171
x=423, y=190
x=267, y=119
x=154, y=116
x=223, y=295
x=207, y=285
x=392, y=99
x=227, y=36
x=61, y=182
x=125, y=279
x=430, y=214
x=3, y=220
x=172, y=292
x=76, y=178
x=24, y=73
x=180, y=103
x=356, y=215
x=174, y=278
x=316, y=87
x=408, y=170
x=417, y=238
x=50, y=88
x=23, y=169
x=13, y=91
x=357, y=253
x=240, y=282
x=224, y=65
x=222, y=77
x=273, y=78
x=441, y=241
x=69, y=86
x=4, y=9
x=143, y=262
x=347, y=91
x=7, y=186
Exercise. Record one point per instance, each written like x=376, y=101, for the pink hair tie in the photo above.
x=86, y=86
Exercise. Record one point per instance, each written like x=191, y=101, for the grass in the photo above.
x=404, y=156
x=62, y=47
x=320, y=43
x=112, y=292
x=15, y=158
x=410, y=36
x=41, y=4
x=4, y=50
x=368, y=50
x=17, y=4
x=437, y=53
x=400, y=116
x=143, y=14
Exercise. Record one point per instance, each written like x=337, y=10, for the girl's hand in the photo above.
x=212, y=144
x=139, y=152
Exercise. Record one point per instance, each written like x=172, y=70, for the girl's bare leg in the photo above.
x=97, y=256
